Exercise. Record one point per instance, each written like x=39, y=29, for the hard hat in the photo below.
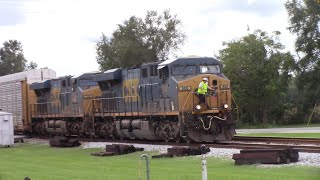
x=205, y=79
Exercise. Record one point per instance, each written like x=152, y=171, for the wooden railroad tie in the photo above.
x=117, y=149
x=61, y=141
x=182, y=151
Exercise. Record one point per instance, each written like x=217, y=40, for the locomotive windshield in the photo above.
x=184, y=70
x=210, y=69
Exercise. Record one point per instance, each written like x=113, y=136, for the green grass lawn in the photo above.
x=292, y=135
x=41, y=162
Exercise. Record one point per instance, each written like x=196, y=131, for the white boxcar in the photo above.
x=14, y=93
x=6, y=129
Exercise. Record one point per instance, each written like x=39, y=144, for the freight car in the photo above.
x=15, y=94
x=155, y=101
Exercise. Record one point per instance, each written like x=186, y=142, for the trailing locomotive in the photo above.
x=156, y=101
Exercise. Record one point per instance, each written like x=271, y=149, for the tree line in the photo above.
x=12, y=59
x=273, y=86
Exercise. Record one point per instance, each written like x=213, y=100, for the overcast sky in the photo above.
x=61, y=34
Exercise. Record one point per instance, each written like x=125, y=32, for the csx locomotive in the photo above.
x=155, y=101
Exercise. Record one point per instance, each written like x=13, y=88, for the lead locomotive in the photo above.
x=156, y=101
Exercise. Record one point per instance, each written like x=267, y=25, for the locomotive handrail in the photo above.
x=85, y=112
x=35, y=109
x=189, y=93
x=116, y=97
x=236, y=107
x=185, y=106
x=118, y=103
x=46, y=102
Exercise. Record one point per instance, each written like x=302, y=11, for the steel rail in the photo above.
x=226, y=144
x=315, y=141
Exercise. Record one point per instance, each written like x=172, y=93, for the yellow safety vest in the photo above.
x=204, y=88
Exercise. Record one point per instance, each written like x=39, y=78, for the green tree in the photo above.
x=12, y=59
x=304, y=18
x=31, y=65
x=138, y=41
x=260, y=74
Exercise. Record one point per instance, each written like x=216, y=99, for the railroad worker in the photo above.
x=202, y=90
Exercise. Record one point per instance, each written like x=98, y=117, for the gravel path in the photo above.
x=305, y=159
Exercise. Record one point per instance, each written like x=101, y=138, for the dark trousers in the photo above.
x=202, y=98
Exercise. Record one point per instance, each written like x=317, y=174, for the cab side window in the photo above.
x=153, y=70
x=144, y=72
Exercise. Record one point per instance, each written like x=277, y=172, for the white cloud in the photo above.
x=61, y=34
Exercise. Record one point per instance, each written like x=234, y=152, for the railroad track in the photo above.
x=232, y=144
x=296, y=141
x=235, y=145
x=310, y=145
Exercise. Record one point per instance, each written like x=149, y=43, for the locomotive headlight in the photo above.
x=198, y=107
x=225, y=106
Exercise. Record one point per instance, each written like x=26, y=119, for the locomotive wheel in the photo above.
x=177, y=139
x=175, y=132
x=169, y=131
x=106, y=131
x=163, y=131
x=103, y=131
x=77, y=129
x=112, y=127
x=166, y=139
x=187, y=139
x=39, y=128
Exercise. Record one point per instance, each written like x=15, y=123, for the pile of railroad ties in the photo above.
x=266, y=156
